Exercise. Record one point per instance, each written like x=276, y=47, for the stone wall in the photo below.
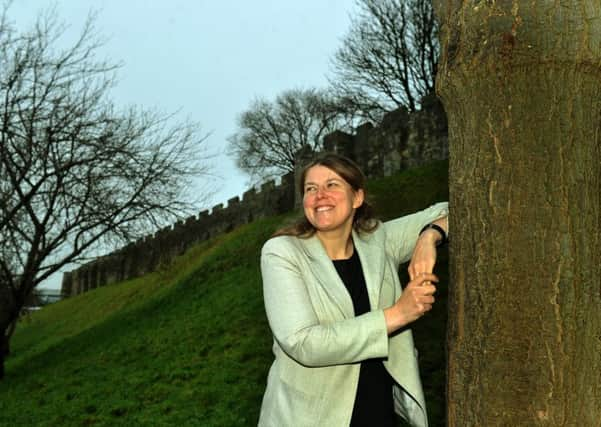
x=401, y=141
x=145, y=255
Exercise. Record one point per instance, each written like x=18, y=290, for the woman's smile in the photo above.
x=324, y=208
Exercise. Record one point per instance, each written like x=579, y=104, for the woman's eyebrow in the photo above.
x=327, y=180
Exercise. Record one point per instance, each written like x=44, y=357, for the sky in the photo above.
x=207, y=59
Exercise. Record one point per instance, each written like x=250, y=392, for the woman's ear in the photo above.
x=358, y=199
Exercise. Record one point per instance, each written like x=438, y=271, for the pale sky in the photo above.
x=208, y=59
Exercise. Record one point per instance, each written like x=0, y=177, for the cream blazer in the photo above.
x=319, y=343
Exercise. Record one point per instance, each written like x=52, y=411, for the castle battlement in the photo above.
x=401, y=141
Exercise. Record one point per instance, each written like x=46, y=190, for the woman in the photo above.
x=343, y=354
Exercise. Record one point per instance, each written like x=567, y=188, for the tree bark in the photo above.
x=521, y=84
x=9, y=312
x=3, y=353
x=5, y=335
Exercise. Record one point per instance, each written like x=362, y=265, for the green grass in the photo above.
x=189, y=344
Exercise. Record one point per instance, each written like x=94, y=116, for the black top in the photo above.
x=373, y=403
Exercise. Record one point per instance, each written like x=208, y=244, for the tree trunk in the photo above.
x=3, y=352
x=9, y=333
x=5, y=334
x=9, y=312
x=521, y=84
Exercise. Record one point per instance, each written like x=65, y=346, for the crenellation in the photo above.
x=249, y=194
x=339, y=142
x=93, y=279
x=268, y=186
x=113, y=264
x=67, y=285
x=85, y=279
x=234, y=202
x=400, y=141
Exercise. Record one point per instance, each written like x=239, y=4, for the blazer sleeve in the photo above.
x=402, y=233
x=295, y=325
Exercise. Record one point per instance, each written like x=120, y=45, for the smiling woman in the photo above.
x=343, y=355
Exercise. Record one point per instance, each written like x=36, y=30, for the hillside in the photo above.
x=189, y=344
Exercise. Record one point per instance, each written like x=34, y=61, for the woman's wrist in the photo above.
x=430, y=236
x=434, y=233
x=394, y=319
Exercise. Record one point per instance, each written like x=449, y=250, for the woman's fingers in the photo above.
x=422, y=278
x=427, y=299
x=416, y=270
x=423, y=293
x=417, y=297
x=425, y=304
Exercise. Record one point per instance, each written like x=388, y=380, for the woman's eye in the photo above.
x=332, y=184
x=310, y=190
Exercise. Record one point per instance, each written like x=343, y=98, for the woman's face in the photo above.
x=329, y=201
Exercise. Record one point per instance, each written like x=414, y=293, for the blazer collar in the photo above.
x=372, y=262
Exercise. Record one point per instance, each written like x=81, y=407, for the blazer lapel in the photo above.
x=372, y=262
x=324, y=271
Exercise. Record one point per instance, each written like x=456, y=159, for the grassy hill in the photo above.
x=187, y=345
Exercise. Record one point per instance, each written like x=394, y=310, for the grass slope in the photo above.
x=189, y=344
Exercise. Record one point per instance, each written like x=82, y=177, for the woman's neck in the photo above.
x=337, y=245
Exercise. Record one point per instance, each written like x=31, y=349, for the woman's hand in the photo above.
x=424, y=254
x=417, y=299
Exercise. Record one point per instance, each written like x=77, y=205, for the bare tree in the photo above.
x=75, y=171
x=388, y=59
x=271, y=133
